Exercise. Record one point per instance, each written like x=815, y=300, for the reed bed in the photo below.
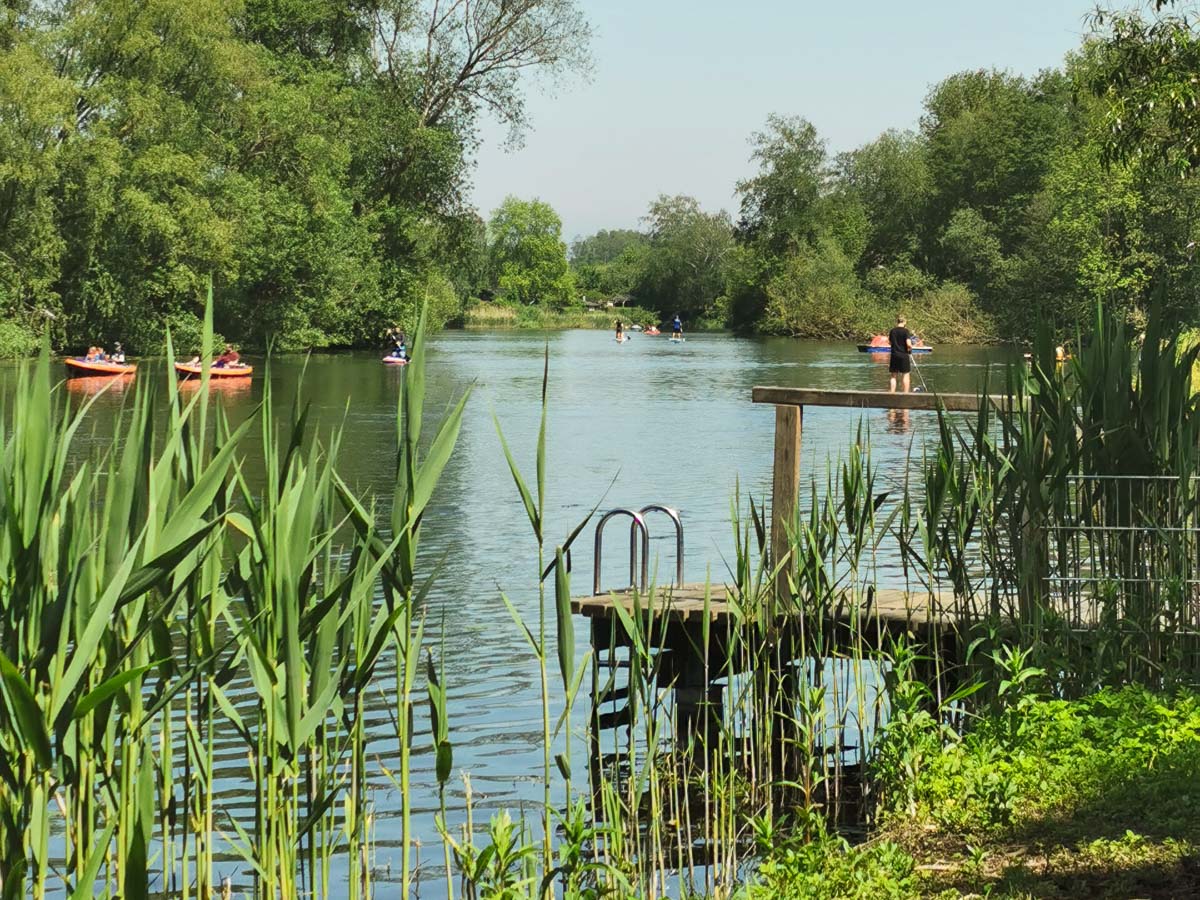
x=1060, y=532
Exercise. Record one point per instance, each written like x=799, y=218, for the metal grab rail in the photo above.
x=673, y=515
x=638, y=523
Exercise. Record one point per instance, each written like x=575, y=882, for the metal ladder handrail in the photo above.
x=673, y=515
x=638, y=523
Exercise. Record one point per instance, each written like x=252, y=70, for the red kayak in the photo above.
x=652, y=331
x=187, y=370
x=77, y=365
x=394, y=361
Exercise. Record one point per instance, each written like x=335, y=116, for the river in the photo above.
x=644, y=422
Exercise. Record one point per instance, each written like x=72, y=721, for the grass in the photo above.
x=536, y=318
x=1086, y=798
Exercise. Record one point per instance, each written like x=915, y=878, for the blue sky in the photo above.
x=678, y=87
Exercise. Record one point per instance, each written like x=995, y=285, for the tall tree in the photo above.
x=688, y=248
x=780, y=203
x=528, y=258
x=891, y=177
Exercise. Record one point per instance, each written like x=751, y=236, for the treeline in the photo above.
x=1014, y=200
x=310, y=156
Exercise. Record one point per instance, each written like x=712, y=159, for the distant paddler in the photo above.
x=620, y=337
x=676, y=328
x=228, y=365
x=399, y=342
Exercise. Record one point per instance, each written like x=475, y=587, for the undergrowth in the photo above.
x=1046, y=798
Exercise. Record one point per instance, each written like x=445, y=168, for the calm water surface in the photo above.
x=629, y=425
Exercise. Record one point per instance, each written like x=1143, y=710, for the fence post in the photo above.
x=785, y=486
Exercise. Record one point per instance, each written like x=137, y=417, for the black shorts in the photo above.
x=900, y=363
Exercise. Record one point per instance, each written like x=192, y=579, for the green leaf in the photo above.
x=445, y=761
x=108, y=688
x=526, y=498
x=26, y=713
x=439, y=454
x=564, y=766
x=516, y=617
x=85, y=886
x=564, y=620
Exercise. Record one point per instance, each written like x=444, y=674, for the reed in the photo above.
x=141, y=585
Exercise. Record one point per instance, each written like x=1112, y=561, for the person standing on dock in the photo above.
x=900, y=340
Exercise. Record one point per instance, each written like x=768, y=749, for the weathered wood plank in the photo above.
x=686, y=604
x=785, y=489
x=789, y=396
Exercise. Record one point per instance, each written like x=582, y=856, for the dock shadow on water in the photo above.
x=228, y=676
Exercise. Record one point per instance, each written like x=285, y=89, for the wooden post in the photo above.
x=786, y=484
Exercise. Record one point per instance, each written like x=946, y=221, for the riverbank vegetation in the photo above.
x=1047, y=798
x=1014, y=200
x=507, y=315
x=312, y=158
x=152, y=582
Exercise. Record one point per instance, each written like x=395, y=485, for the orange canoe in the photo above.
x=77, y=365
x=185, y=370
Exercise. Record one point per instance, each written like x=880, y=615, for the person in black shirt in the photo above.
x=900, y=339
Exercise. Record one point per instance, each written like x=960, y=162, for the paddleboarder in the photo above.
x=900, y=341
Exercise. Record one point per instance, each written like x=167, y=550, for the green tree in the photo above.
x=990, y=137
x=780, y=203
x=310, y=155
x=891, y=177
x=605, y=246
x=688, y=247
x=528, y=259
x=816, y=294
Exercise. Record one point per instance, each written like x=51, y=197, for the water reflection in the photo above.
x=899, y=421
x=90, y=385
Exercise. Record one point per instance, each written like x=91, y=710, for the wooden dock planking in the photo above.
x=790, y=396
x=686, y=605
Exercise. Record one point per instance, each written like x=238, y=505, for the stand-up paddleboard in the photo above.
x=623, y=340
x=676, y=340
x=395, y=361
x=187, y=370
x=97, y=368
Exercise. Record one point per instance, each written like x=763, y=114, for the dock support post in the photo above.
x=785, y=487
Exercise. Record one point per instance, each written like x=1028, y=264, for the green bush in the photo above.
x=950, y=313
x=187, y=332
x=16, y=340
x=812, y=863
x=816, y=294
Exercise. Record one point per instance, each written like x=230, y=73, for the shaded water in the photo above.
x=629, y=425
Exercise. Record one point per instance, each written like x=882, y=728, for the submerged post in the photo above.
x=785, y=486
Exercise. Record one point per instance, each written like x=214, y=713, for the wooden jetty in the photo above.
x=690, y=625
x=685, y=603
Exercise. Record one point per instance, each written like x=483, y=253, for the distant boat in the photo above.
x=79, y=366
x=879, y=344
x=187, y=370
